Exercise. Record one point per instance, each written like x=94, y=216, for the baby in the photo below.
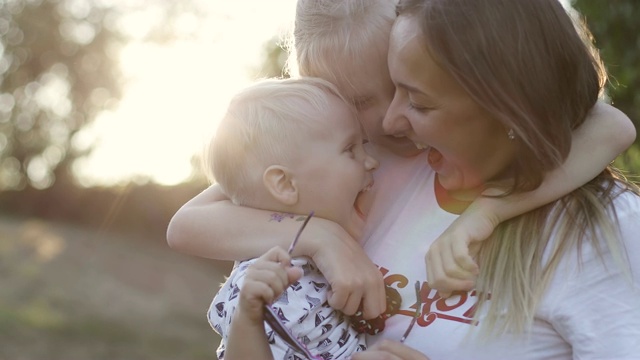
x=288, y=146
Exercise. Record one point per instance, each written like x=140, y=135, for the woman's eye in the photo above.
x=419, y=108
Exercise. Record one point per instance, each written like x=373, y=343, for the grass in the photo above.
x=71, y=293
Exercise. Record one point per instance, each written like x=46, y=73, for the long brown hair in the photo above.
x=537, y=72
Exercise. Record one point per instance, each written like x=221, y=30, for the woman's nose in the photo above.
x=394, y=122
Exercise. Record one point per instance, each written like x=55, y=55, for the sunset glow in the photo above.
x=174, y=94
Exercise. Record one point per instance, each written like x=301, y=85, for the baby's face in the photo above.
x=333, y=167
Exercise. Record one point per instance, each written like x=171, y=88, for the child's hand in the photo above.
x=354, y=278
x=450, y=259
x=265, y=281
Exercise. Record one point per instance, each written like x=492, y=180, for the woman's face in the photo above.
x=466, y=145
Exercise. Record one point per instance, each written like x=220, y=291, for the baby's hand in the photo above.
x=450, y=259
x=265, y=281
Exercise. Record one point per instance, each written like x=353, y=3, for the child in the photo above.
x=289, y=147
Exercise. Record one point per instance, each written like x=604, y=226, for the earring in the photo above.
x=511, y=134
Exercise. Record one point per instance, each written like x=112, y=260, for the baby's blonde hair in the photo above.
x=259, y=129
x=330, y=33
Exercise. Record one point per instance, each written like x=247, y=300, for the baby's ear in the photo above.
x=279, y=181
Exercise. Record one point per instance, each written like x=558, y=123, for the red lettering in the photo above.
x=400, y=280
x=384, y=271
x=433, y=305
x=443, y=306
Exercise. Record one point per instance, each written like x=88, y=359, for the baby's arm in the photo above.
x=264, y=281
x=595, y=144
x=210, y=226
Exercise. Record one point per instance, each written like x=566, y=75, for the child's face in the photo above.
x=370, y=87
x=332, y=166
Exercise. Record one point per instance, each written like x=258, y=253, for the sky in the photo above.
x=165, y=116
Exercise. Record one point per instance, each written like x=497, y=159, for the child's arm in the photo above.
x=595, y=144
x=264, y=281
x=197, y=228
x=211, y=226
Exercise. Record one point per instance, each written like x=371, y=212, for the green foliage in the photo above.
x=275, y=60
x=616, y=31
x=57, y=71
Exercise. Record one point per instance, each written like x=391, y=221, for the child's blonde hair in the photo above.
x=259, y=129
x=331, y=33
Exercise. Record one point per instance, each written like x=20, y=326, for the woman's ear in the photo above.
x=280, y=183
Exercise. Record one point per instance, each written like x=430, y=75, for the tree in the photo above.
x=616, y=31
x=275, y=59
x=57, y=72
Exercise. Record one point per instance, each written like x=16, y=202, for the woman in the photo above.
x=494, y=88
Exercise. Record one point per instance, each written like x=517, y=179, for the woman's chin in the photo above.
x=457, y=188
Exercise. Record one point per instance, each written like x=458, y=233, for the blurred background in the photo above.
x=104, y=106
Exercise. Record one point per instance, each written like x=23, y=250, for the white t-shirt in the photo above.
x=590, y=312
x=325, y=331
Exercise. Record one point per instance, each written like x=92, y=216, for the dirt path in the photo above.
x=71, y=293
